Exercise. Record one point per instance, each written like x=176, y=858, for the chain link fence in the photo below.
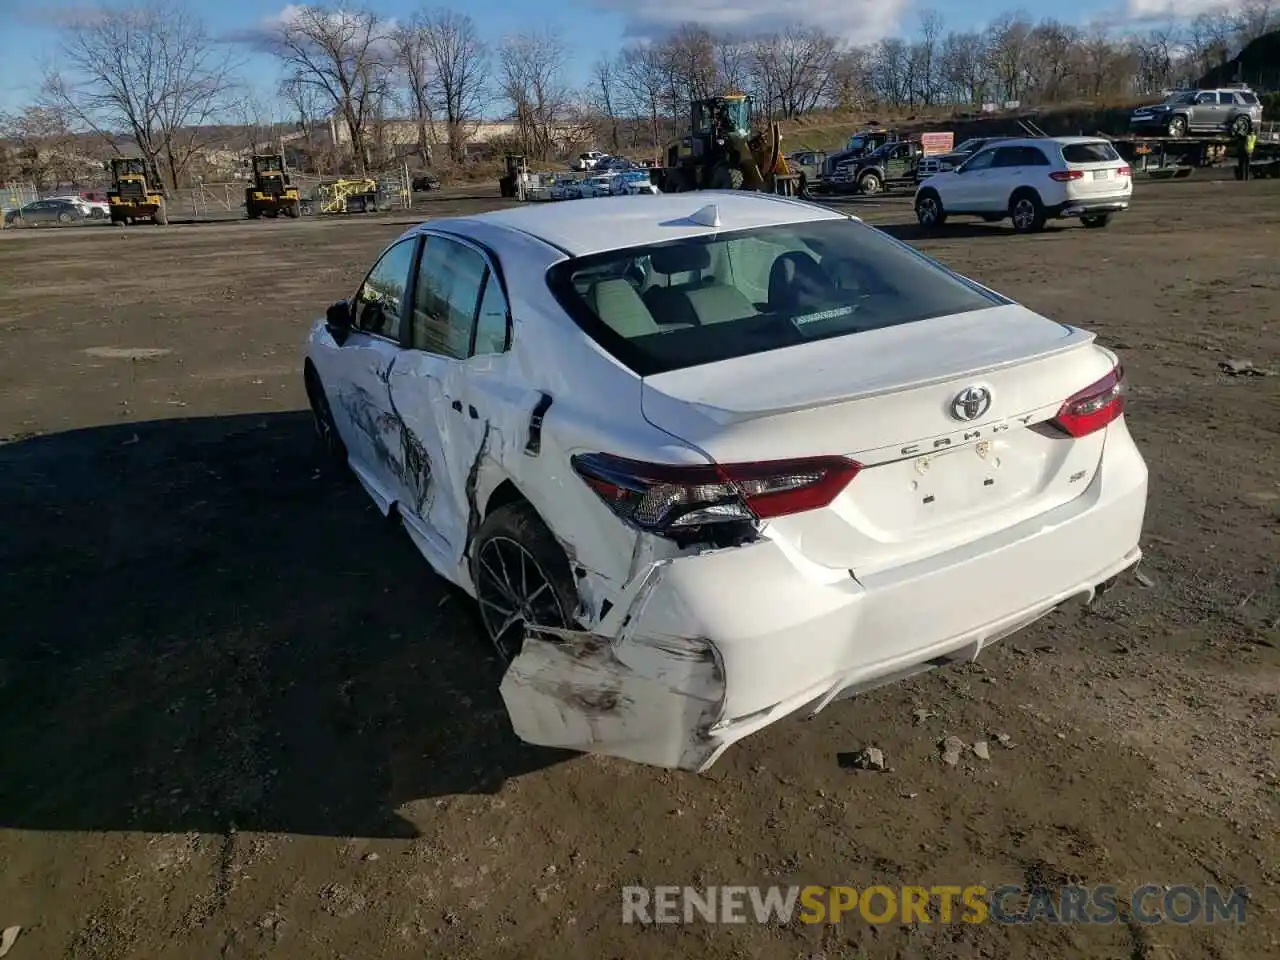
x=15, y=195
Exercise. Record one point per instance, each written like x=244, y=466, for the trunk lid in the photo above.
x=931, y=479
x=1101, y=167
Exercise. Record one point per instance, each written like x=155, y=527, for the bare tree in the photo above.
x=891, y=72
x=1211, y=36
x=44, y=147
x=1254, y=18
x=643, y=78
x=796, y=66
x=532, y=83
x=257, y=123
x=733, y=63
x=458, y=86
x=604, y=94
x=851, y=87
x=152, y=70
x=926, y=55
x=342, y=53
x=412, y=54
x=308, y=106
x=1009, y=53
x=1056, y=55
x=964, y=66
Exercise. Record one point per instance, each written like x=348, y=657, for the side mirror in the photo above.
x=338, y=321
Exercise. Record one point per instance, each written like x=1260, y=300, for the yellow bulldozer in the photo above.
x=722, y=153
x=271, y=192
x=133, y=197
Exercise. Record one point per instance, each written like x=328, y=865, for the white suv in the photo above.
x=1030, y=181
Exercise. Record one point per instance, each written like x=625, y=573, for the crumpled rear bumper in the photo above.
x=711, y=647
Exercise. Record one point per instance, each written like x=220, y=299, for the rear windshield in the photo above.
x=689, y=302
x=1096, y=152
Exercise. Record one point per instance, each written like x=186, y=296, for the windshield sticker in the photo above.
x=832, y=314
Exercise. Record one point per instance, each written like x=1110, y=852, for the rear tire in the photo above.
x=929, y=211
x=1027, y=212
x=522, y=578
x=726, y=178
x=161, y=216
x=1096, y=222
x=869, y=184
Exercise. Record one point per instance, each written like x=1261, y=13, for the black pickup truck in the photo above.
x=892, y=165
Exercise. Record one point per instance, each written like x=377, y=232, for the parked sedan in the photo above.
x=93, y=209
x=46, y=211
x=712, y=458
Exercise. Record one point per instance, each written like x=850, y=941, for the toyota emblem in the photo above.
x=971, y=403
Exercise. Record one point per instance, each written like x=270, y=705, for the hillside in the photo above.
x=1257, y=65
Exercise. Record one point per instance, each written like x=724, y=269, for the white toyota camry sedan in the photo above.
x=707, y=459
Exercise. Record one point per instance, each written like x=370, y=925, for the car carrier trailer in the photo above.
x=1178, y=157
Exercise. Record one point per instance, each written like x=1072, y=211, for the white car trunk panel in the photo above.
x=929, y=480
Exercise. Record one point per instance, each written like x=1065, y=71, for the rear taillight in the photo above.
x=1093, y=407
x=1062, y=176
x=669, y=499
x=1124, y=172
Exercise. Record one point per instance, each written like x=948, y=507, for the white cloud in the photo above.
x=262, y=34
x=1175, y=9
x=858, y=21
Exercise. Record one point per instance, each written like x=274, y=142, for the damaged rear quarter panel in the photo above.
x=651, y=694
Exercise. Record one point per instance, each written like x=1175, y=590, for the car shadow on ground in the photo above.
x=204, y=629
x=964, y=230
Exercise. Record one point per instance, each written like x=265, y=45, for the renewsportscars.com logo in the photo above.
x=1010, y=904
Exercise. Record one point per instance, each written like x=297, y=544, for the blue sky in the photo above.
x=29, y=36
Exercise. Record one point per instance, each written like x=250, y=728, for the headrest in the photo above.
x=680, y=258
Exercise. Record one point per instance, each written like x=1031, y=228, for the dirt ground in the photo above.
x=241, y=718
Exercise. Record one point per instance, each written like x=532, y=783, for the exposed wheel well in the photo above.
x=503, y=494
x=1024, y=192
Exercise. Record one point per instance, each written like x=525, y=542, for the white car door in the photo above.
x=429, y=392
x=996, y=184
x=356, y=378
x=967, y=185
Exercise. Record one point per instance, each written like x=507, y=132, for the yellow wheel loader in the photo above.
x=133, y=197
x=722, y=153
x=271, y=193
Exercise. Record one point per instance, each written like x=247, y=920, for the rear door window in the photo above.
x=1248, y=98
x=450, y=279
x=1020, y=157
x=1096, y=152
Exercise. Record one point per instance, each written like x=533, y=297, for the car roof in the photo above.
x=583, y=227
x=1033, y=141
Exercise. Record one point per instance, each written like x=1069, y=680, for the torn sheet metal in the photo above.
x=572, y=691
x=646, y=694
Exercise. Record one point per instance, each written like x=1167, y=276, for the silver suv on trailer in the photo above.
x=1232, y=109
